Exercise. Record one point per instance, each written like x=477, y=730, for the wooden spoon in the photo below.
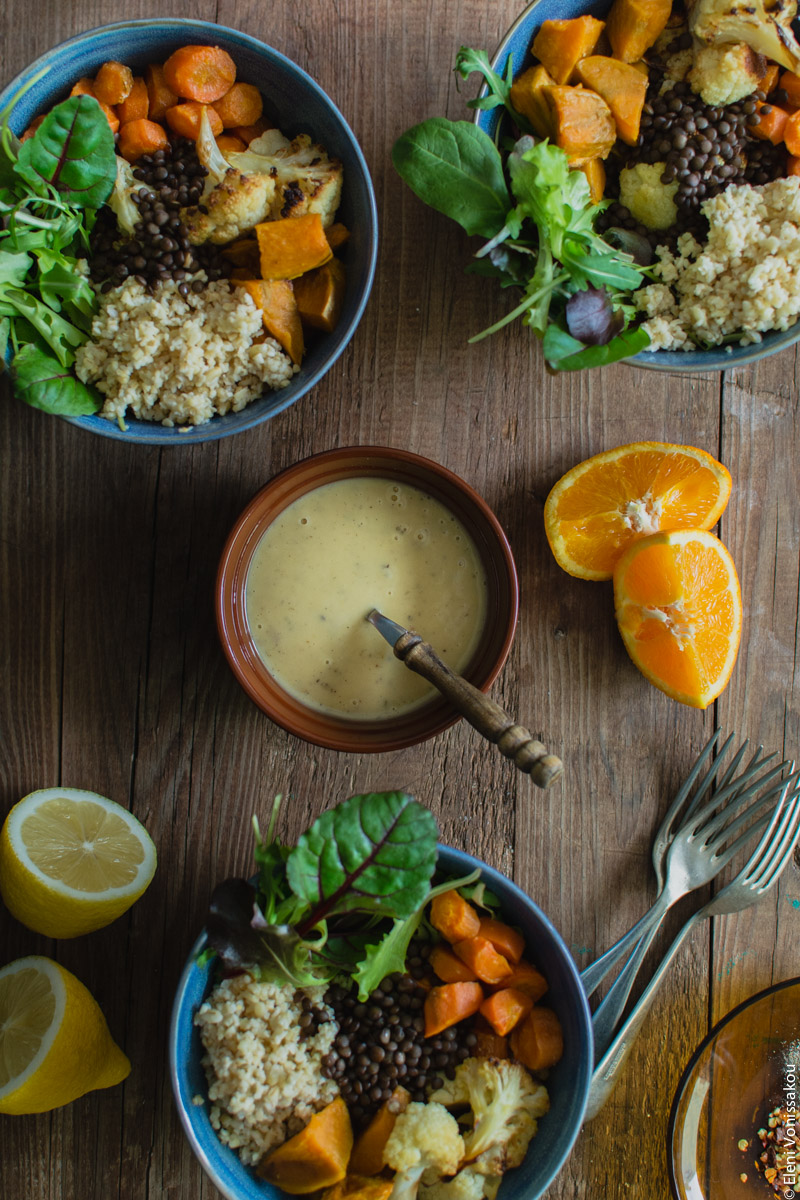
x=483, y=714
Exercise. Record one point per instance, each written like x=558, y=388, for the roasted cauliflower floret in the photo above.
x=120, y=201
x=425, y=1138
x=724, y=74
x=233, y=207
x=650, y=201
x=307, y=180
x=765, y=25
x=505, y=1101
x=466, y=1185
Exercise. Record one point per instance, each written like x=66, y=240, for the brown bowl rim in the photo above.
x=320, y=729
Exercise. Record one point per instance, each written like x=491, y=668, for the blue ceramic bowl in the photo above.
x=568, y=1083
x=299, y=106
x=516, y=45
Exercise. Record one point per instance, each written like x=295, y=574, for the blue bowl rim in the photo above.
x=493, y=877
x=684, y=361
x=210, y=431
x=695, y=1058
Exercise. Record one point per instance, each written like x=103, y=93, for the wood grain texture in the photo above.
x=112, y=677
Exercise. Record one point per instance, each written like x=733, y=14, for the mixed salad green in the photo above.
x=344, y=902
x=538, y=219
x=51, y=186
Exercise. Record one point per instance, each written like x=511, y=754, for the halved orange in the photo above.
x=679, y=610
x=605, y=503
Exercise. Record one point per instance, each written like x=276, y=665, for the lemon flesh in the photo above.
x=54, y=1041
x=72, y=861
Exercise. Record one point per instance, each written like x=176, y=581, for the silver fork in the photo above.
x=675, y=851
x=761, y=872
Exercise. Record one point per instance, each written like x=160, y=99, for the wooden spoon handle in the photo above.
x=483, y=714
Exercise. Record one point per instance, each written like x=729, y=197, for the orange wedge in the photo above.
x=603, y=504
x=679, y=610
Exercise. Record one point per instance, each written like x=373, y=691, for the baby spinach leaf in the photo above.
x=62, y=337
x=565, y=353
x=456, y=169
x=374, y=853
x=73, y=152
x=41, y=381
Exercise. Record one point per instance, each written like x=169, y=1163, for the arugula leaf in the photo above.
x=455, y=168
x=61, y=286
x=467, y=61
x=389, y=955
x=73, y=152
x=41, y=381
x=5, y=334
x=374, y=853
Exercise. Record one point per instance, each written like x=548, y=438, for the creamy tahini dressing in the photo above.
x=335, y=554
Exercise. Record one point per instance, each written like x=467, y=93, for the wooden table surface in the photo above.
x=112, y=679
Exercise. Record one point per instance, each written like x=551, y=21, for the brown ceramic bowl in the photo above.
x=360, y=736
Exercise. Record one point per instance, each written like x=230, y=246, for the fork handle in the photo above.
x=593, y=975
x=608, y=1013
x=607, y=1071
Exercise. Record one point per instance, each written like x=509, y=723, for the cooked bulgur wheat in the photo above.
x=745, y=278
x=179, y=360
x=265, y=1081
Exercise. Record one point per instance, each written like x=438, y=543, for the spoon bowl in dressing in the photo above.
x=277, y=591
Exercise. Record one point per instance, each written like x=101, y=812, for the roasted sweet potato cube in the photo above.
x=275, y=298
x=582, y=122
x=291, y=246
x=623, y=88
x=320, y=294
x=633, y=26
x=559, y=45
x=527, y=97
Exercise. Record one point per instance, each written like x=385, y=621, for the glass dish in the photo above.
x=748, y=1064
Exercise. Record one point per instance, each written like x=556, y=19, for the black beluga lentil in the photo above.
x=160, y=250
x=381, y=1044
x=704, y=148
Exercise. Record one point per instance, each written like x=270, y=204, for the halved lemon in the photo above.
x=72, y=861
x=603, y=504
x=54, y=1041
x=679, y=610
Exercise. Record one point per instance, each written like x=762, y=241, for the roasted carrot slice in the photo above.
x=488, y=1043
x=449, y=967
x=241, y=105
x=83, y=87
x=449, y=1004
x=229, y=144
x=454, y=917
x=526, y=978
x=184, y=119
x=113, y=83
x=202, y=73
x=537, y=1041
x=249, y=133
x=481, y=957
x=505, y=940
x=505, y=1008
x=141, y=137
x=159, y=96
x=136, y=106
